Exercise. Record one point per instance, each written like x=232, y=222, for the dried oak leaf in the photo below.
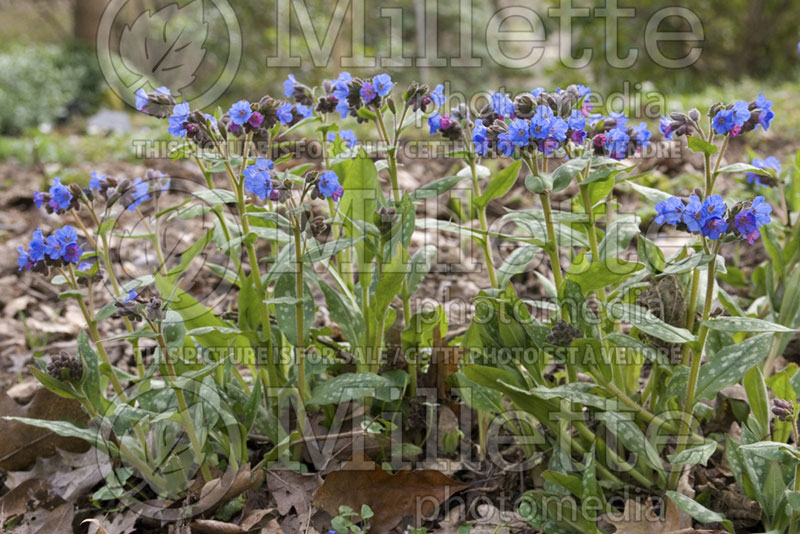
x=391, y=497
x=22, y=444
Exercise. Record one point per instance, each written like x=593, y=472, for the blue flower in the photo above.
x=56, y=244
x=139, y=192
x=741, y=112
x=240, y=112
x=714, y=206
x=766, y=114
x=437, y=96
x=180, y=114
x=714, y=228
x=540, y=122
x=504, y=144
x=330, y=137
x=617, y=142
x=60, y=197
x=669, y=211
x=642, y=135
x=36, y=246
x=479, y=138
x=285, y=113
x=518, y=133
x=343, y=109
x=97, y=180
x=38, y=199
x=288, y=86
x=770, y=163
x=761, y=210
x=141, y=99
x=85, y=266
x=23, y=260
x=304, y=111
x=576, y=121
x=367, y=92
x=502, y=105
x=72, y=252
x=383, y=84
x=558, y=129
x=348, y=137
x=583, y=91
x=329, y=185
x=258, y=178
x=536, y=92
x=341, y=89
x=434, y=122
x=132, y=296
x=665, y=128
x=724, y=121
x=693, y=214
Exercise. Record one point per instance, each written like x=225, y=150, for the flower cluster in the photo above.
x=130, y=194
x=711, y=217
x=58, y=249
x=741, y=117
x=159, y=103
x=58, y=199
x=258, y=180
x=680, y=124
x=326, y=185
x=346, y=95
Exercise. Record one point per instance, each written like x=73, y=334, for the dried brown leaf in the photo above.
x=391, y=497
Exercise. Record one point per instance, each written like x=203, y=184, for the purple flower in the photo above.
x=285, y=113
x=60, y=197
x=746, y=224
x=256, y=119
x=304, y=111
x=258, y=178
x=288, y=86
x=348, y=137
x=24, y=262
x=368, y=92
x=669, y=211
x=383, y=84
x=770, y=163
x=240, y=112
x=72, y=252
x=548, y=146
x=714, y=228
x=329, y=185
x=479, y=138
x=437, y=96
x=180, y=114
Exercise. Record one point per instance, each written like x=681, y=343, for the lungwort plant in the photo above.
x=606, y=382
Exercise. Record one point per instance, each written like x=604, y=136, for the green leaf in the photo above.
x=745, y=167
x=694, y=455
x=648, y=323
x=744, y=324
x=539, y=183
x=190, y=253
x=361, y=193
x=730, y=364
x=516, y=263
x=499, y=184
x=476, y=396
x=687, y=264
x=653, y=195
x=566, y=172
x=599, y=274
x=68, y=430
x=91, y=382
x=624, y=427
x=390, y=281
x=651, y=254
x=62, y=389
x=347, y=387
x=756, y=390
x=698, y=511
x=344, y=313
x=700, y=145
x=323, y=251
x=436, y=187
x=215, y=197
x=618, y=237
x=421, y=263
